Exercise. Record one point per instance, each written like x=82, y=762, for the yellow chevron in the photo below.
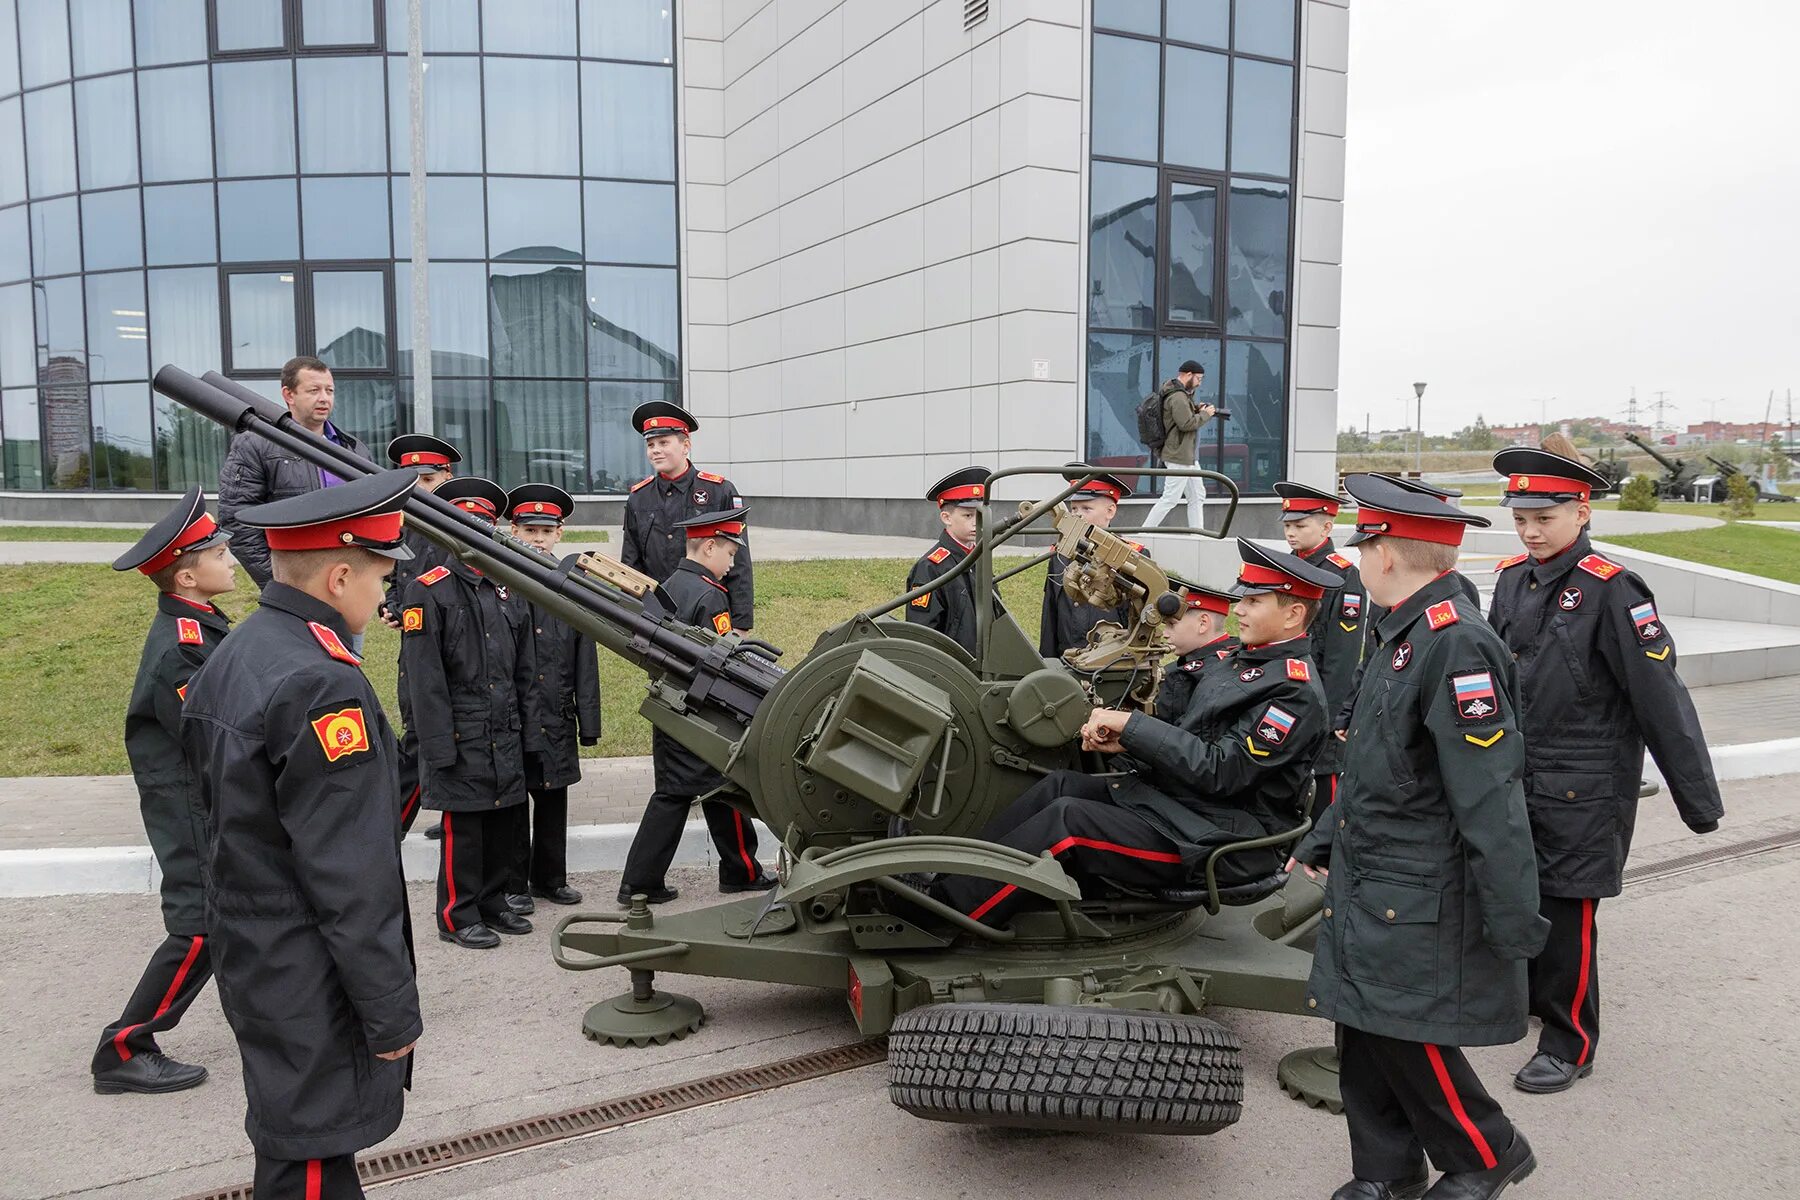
x=1484, y=743
x=1253, y=749
x=1346, y=628
x=1658, y=655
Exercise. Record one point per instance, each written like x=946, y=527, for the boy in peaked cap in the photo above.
x=950, y=609
x=1066, y=622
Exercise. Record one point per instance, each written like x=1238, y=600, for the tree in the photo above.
x=1638, y=495
x=1477, y=436
x=1351, y=441
x=1740, y=497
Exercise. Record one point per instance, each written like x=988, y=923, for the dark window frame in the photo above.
x=291, y=44
x=1167, y=179
x=306, y=334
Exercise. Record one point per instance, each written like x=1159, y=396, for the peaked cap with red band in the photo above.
x=482, y=497
x=539, y=504
x=423, y=453
x=1299, y=501
x=364, y=512
x=1194, y=595
x=1266, y=570
x=729, y=525
x=185, y=529
x=965, y=487
x=659, y=417
x=1386, y=508
x=1540, y=479
x=1102, y=484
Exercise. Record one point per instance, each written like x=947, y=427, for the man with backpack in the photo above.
x=1169, y=423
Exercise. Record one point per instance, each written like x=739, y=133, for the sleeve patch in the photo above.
x=334, y=645
x=1599, y=567
x=1339, y=561
x=434, y=575
x=938, y=555
x=341, y=732
x=188, y=630
x=710, y=477
x=1514, y=561
x=1275, y=725
x=1441, y=614
x=721, y=622
x=1352, y=606
x=1649, y=626
x=1299, y=668
x=1474, y=692
x=640, y=483
x=922, y=601
x=413, y=620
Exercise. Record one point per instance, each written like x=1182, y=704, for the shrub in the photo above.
x=1740, y=498
x=1638, y=494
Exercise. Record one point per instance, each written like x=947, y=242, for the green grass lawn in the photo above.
x=74, y=635
x=1740, y=547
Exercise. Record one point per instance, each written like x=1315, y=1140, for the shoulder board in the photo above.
x=334, y=646
x=938, y=555
x=434, y=575
x=640, y=483
x=1299, y=668
x=710, y=477
x=1514, y=561
x=1441, y=614
x=1339, y=561
x=188, y=630
x=1598, y=567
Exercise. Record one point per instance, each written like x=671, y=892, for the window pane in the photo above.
x=254, y=117
x=107, y=113
x=365, y=408
x=459, y=318
x=345, y=218
x=537, y=321
x=189, y=448
x=339, y=22
x=18, y=362
x=102, y=34
x=1204, y=21
x=538, y=219
x=455, y=217
x=1125, y=73
x=175, y=123
x=262, y=320
x=50, y=140
x=111, y=236
x=452, y=114
x=1121, y=372
x=1266, y=27
x=1193, y=222
x=633, y=330
x=459, y=415
x=122, y=440
x=617, y=451
x=24, y=444
x=448, y=25
x=250, y=24
x=170, y=31
x=531, y=117
x=116, y=333
x=15, y=245
x=337, y=96
x=1133, y=16
x=1262, y=133
x=1256, y=395
x=528, y=27
x=542, y=431
x=184, y=319
x=12, y=150
x=628, y=121
x=1122, y=247
x=628, y=29
x=258, y=221
x=178, y=224
x=43, y=41
x=1194, y=108
x=1258, y=266
x=350, y=318
x=66, y=433
x=9, y=63
x=55, y=237
x=631, y=222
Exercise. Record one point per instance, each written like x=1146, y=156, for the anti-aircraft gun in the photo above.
x=878, y=757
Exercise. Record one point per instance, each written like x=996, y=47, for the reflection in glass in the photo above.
x=456, y=216
x=459, y=412
x=102, y=35
x=1194, y=108
x=633, y=329
x=534, y=219
x=528, y=27
x=1262, y=106
x=1207, y=22
x=43, y=41
x=262, y=320
x=9, y=63
x=184, y=319
x=459, y=317
x=55, y=237
x=1121, y=371
x=15, y=245
x=627, y=121
x=452, y=114
x=365, y=407
x=178, y=224
x=537, y=321
x=18, y=362
x=1256, y=394
x=1125, y=74
x=1133, y=16
x=1266, y=27
x=250, y=25
x=50, y=141
x=170, y=31
x=448, y=25
x=345, y=218
x=1171, y=354
x=339, y=22
x=111, y=236
x=617, y=451
x=1257, y=268
x=189, y=448
x=117, y=336
x=631, y=222
x=531, y=116
x=1193, y=225
x=541, y=429
x=258, y=221
x=628, y=29
x=106, y=112
x=12, y=149
x=123, y=444
x=350, y=318
x=67, y=446
x=1122, y=247
x=337, y=96
x=24, y=447
x=174, y=120
x=254, y=117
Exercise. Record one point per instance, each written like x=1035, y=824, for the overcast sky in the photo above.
x=1570, y=198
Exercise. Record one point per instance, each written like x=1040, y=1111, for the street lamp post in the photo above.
x=1419, y=423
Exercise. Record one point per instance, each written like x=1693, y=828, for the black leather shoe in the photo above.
x=435, y=832
x=1514, y=1165
x=761, y=883
x=1546, y=1073
x=562, y=893
x=522, y=904
x=149, y=1072
x=509, y=922
x=1410, y=1188
x=471, y=937
x=657, y=895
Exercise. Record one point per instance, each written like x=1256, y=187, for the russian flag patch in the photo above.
x=1474, y=695
x=1275, y=725
x=1649, y=628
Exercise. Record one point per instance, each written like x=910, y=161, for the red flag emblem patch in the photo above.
x=341, y=733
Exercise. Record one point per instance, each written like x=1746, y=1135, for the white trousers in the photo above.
x=1173, y=486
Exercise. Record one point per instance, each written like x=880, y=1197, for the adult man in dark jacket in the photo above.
x=1597, y=681
x=1066, y=621
x=465, y=661
x=950, y=609
x=1431, y=903
x=257, y=471
x=306, y=901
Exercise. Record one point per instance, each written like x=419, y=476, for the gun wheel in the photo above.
x=1083, y=1069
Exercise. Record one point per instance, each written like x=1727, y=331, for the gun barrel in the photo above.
x=1653, y=452
x=1725, y=469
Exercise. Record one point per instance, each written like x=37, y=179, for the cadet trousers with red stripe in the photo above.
x=475, y=858
x=307, y=1178
x=1071, y=815
x=659, y=835
x=1565, y=980
x=175, y=974
x=541, y=859
x=1407, y=1099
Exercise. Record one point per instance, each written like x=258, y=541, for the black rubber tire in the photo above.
x=1086, y=1070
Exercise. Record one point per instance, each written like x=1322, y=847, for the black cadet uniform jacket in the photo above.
x=654, y=546
x=694, y=596
x=563, y=704
x=1337, y=632
x=951, y=609
x=1065, y=623
x=1235, y=763
x=1184, y=674
x=182, y=635
x=1597, y=680
x=1431, y=907
x=465, y=667
x=306, y=903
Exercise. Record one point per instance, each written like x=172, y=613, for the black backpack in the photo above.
x=1151, y=429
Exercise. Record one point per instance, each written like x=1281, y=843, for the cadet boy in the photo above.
x=695, y=594
x=1066, y=622
x=1229, y=768
x=465, y=663
x=305, y=893
x=1200, y=641
x=1597, y=681
x=561, y=709
x=185, y=556
x=1431, y=903
x=1340, y=628
x=950, y=609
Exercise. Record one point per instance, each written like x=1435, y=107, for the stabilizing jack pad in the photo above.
x=643, y=1016
x=1311, y=1075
